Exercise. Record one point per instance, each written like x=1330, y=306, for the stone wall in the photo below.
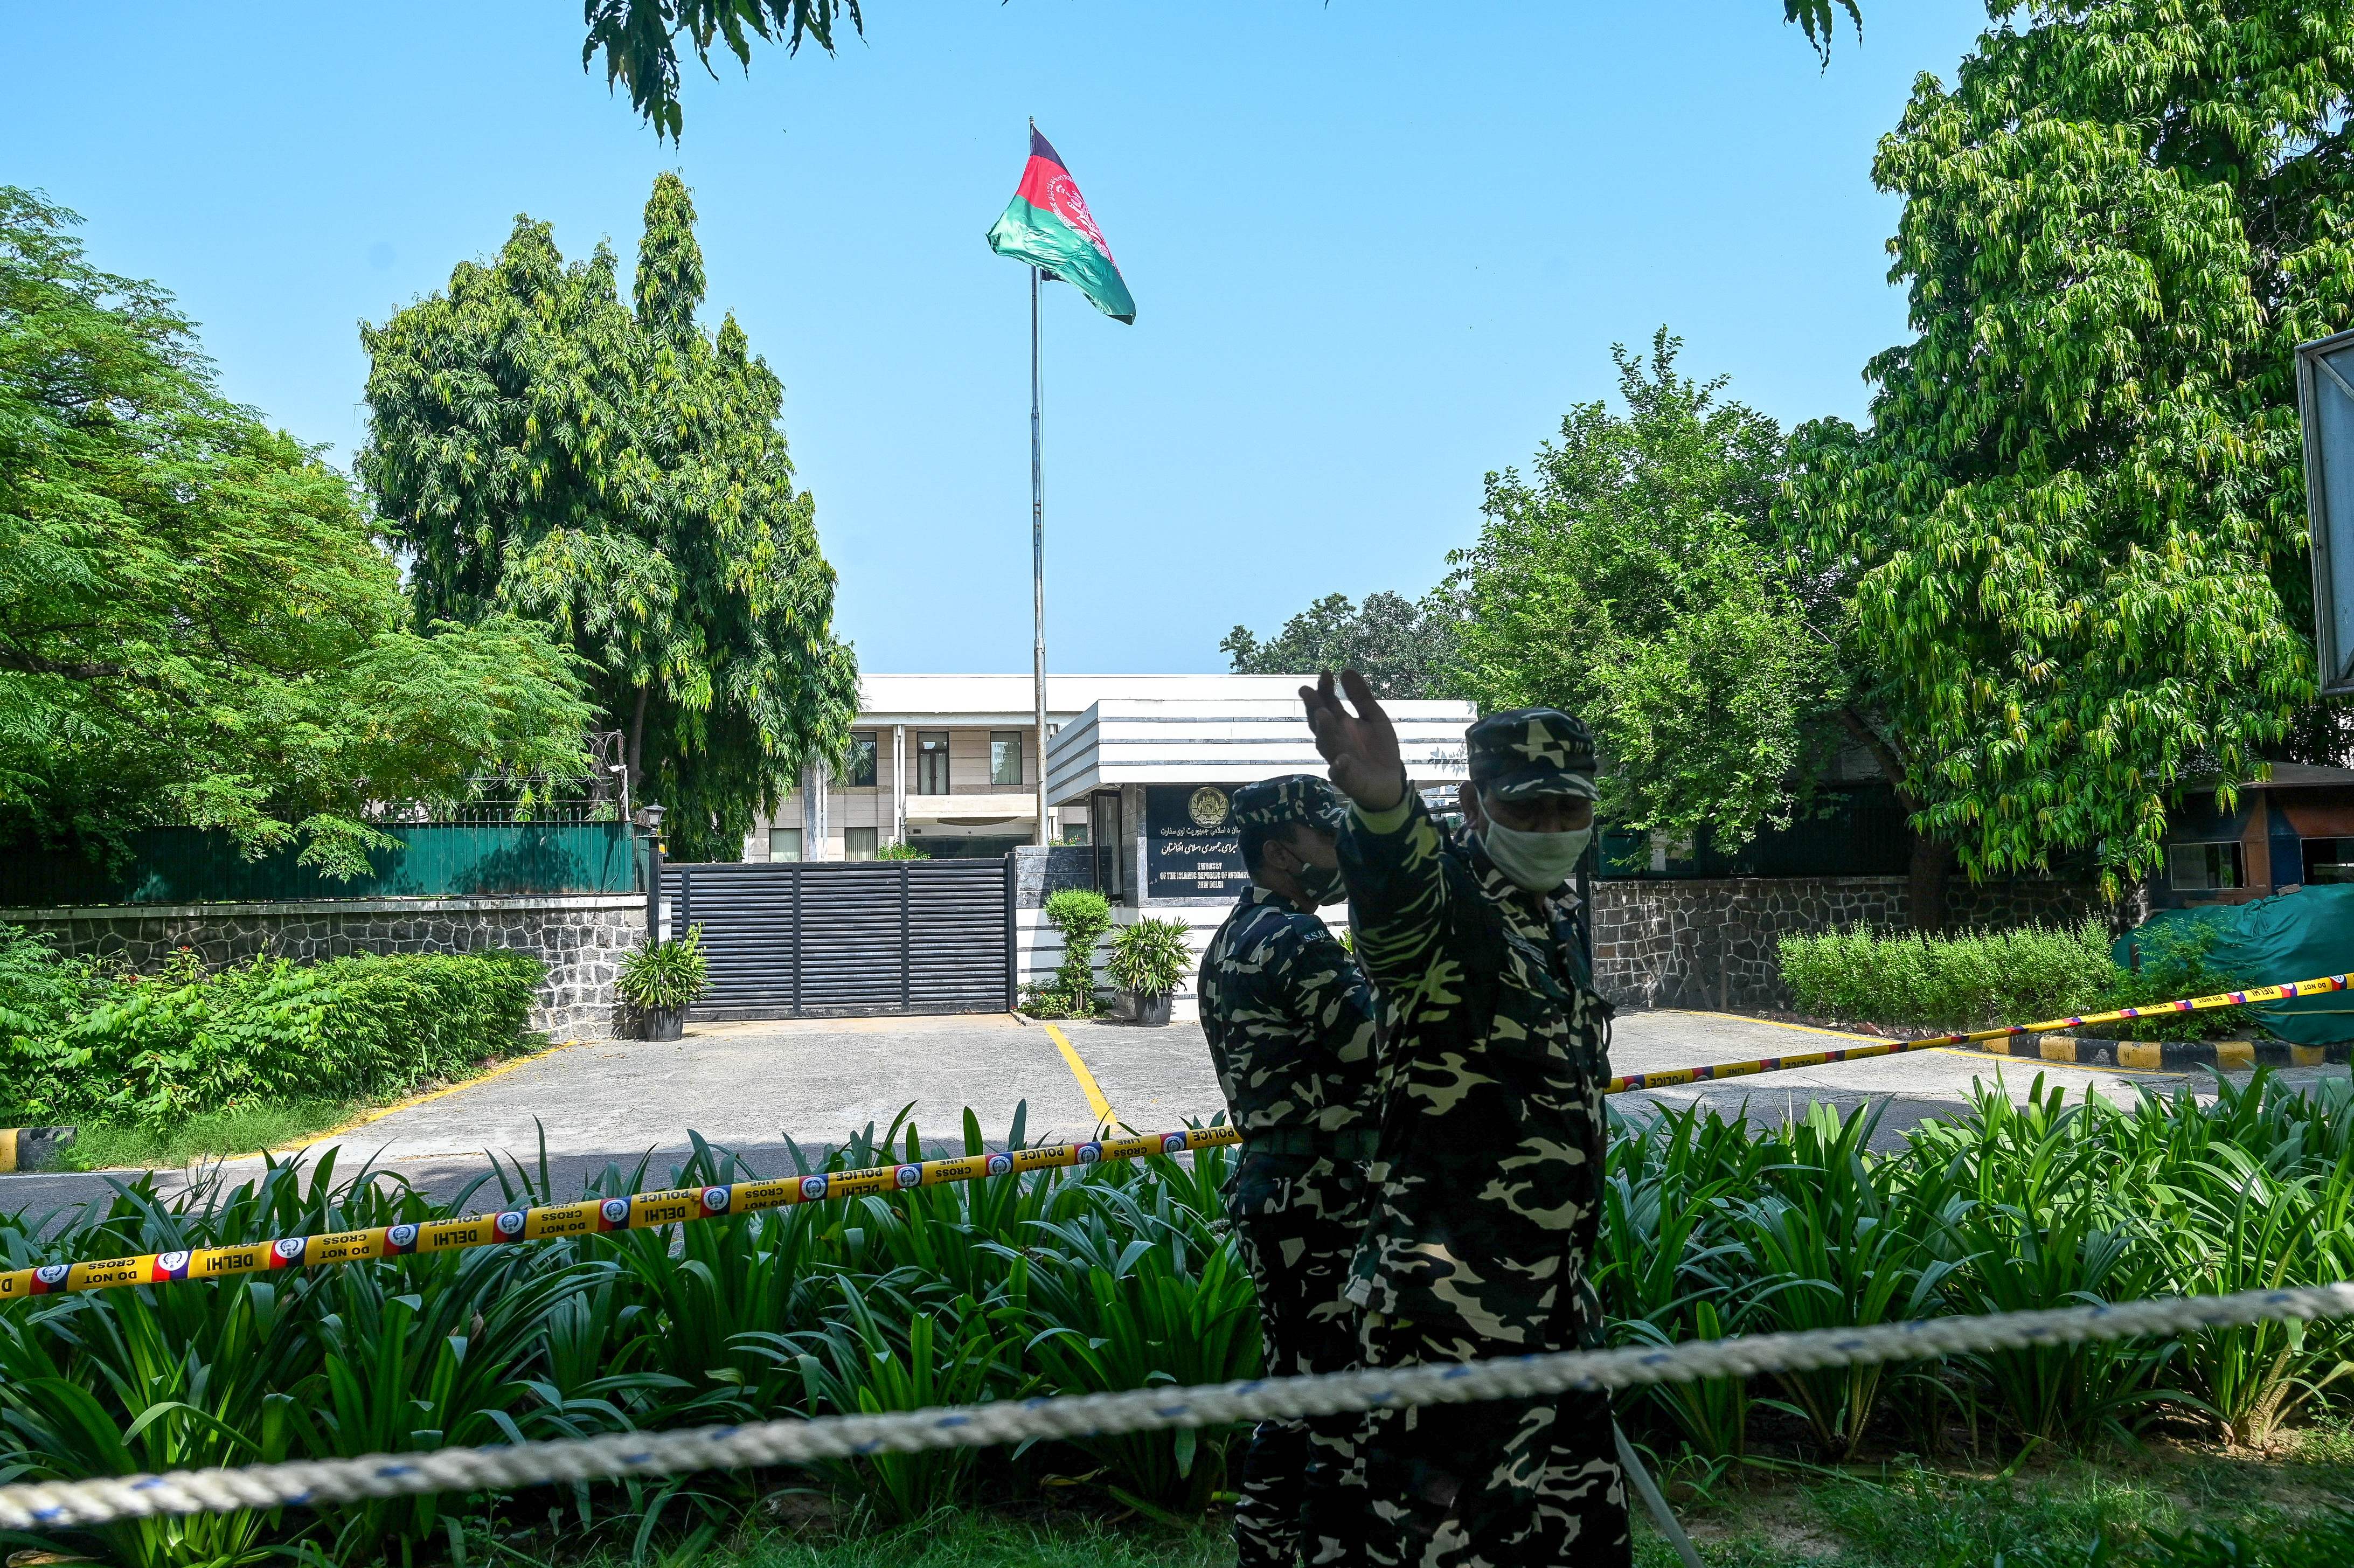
x=1711, y=943
x=580, y=938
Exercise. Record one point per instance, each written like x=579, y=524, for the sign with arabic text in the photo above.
x=1190, y=848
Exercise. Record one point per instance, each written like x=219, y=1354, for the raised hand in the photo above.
x=1363, y=748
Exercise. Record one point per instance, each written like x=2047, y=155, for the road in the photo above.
x=750, y=1087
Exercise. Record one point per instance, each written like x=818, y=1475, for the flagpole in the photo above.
x=1038, y=564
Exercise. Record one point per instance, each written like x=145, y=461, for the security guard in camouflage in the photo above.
x=1488, y=1179
x=1290, y=1026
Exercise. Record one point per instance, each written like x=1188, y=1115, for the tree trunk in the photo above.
x=637, y=741
x=1932, y=862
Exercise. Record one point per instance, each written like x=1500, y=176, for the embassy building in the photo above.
x=1138, y=770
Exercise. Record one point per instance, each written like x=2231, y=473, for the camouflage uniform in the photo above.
x=1488, y=1179
x=1290, y=1026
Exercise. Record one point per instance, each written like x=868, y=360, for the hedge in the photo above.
x=79, y=1041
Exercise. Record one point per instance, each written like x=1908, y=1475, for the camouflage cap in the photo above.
x=1525, y=753
x=1288, y=798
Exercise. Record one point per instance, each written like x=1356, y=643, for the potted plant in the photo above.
x=660, y=979
x=1149, y=960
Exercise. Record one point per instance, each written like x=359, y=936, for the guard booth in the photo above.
x=1155, y=777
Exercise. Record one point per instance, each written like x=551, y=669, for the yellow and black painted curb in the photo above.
x=2169, y=1056
x=642, y=1211
x=1981, y=1039
x=32, y=1148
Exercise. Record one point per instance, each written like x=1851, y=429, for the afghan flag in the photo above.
x=1048, y=226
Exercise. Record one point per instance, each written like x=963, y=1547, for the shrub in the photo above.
x=2171, y=963
x=1973, y=981
x=157, y=1048
x=1082, y=917
x=1151, y=957
x=666, y=974
x=900, y=849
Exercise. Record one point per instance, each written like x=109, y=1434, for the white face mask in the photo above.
x=1538, y=863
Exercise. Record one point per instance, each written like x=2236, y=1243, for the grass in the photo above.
x=242, y=1129
x=2168, y=1505
x=977, y=1541
x=2256, y=1512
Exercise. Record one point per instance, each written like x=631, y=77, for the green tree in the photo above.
x=1635, y=578
x=197, y=622
x=541, y=448
x=2074, y=526
x=640, y=38
x=1401, y=646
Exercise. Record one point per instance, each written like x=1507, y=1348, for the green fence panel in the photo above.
x=198, y=866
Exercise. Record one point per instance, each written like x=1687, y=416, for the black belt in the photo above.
x=1356, y=1143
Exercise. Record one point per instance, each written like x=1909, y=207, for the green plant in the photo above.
x=2171, y=963
x=1080, y=915
x=1971, y=981
x=1151, y=957
x=900, y=849
x=663, y=975
x=152, y=1051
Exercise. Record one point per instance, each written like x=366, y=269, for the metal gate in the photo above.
x=824, y=938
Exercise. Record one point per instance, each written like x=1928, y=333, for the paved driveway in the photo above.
x=750, y=1086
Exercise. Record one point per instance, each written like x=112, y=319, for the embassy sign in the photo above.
x=2325, y=401
x=1191, y=847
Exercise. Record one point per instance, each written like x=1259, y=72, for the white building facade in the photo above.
x=949, y=763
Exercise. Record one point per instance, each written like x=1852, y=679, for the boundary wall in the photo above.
x=1698, y=943
x=1711, y=943
x=579, y=937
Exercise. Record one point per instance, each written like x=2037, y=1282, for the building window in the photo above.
x=862, y=760
x=1103, y=819
x=932, y=762
x=2202, y=868
x=784, y=843
x=2329, y=860
x=1005, y=757
x=858, y=844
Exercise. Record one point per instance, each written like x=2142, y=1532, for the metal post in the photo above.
x=654, y=887
x=1038, y=561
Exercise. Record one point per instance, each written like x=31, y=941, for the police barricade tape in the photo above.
x=642, y=1211
x=320, y=1482
x=646, y=1210
x=1669, y=1077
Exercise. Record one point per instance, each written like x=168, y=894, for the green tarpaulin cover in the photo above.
x=2294, y=936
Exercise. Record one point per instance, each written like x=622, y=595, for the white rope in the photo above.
x=54, y=1504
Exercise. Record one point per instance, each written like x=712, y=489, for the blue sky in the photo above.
x=1373, y=258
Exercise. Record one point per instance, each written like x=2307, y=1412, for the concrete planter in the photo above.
x=654, y=1022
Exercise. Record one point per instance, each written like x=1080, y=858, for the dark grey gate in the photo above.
x=832, y=938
